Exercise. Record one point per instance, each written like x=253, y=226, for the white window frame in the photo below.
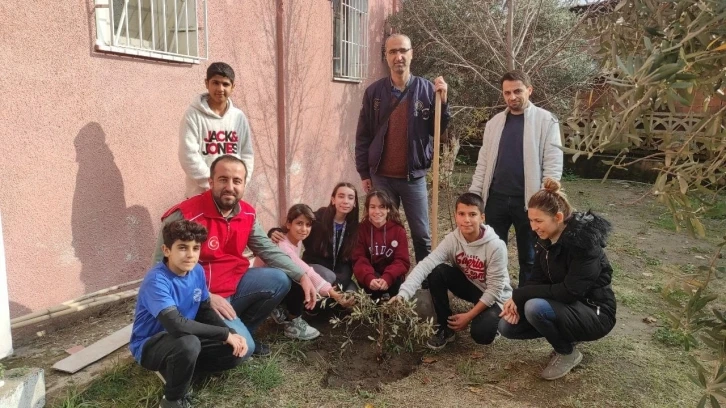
x=160, y=29
x=350, y=40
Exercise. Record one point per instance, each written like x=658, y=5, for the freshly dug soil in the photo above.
x=355, y=367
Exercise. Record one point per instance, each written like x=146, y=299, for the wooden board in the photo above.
x=95, y=351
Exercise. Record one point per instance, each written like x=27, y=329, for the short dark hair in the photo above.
x=226, y=157
x=471, y=199
x=221, y=69
x=516, y=76
x=183, y=230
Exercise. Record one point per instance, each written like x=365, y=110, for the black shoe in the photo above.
x=261, y=350
x=440, y=339
x=185, y=402
x=385, y=297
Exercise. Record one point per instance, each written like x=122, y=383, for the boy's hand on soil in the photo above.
x=222, y=307
x=277, y=237
x=459, y=321
x=396, y=299
x=238, y=343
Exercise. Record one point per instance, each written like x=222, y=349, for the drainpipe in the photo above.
x=281, y=131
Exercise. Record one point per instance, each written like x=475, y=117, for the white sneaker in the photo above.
x=300, y=329
x=279, y=315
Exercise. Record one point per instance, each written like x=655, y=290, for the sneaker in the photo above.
x=385, y=297
x=184, y=402
x=300, y=329
x=261, y=350
x=440, y=339
x=561, y=364
x=279, y=315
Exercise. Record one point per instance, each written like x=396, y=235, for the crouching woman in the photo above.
x=569, y=298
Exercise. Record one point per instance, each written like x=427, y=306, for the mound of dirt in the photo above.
x=355, y=367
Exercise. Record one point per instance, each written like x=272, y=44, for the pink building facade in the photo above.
x=88, y=161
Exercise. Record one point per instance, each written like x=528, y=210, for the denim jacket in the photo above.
x=377, y=101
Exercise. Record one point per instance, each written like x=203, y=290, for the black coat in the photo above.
x=313, y=253
x=576, y=273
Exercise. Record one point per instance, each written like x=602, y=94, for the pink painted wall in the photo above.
x=88, y=157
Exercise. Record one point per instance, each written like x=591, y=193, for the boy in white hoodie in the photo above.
x=213, y=127
x=471, y=262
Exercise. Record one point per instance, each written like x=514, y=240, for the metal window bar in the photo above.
x=126, y=39
x=350, y=57
x=153, y=28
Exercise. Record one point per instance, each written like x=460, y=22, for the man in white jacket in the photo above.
x=520, y=148
x=213, y=127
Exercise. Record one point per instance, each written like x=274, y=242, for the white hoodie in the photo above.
x=484, y=262
x=204, y=136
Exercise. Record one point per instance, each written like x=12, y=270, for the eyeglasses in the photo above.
x=396, y=51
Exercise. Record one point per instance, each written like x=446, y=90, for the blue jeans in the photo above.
x=501, y=212
x=414, y=197
x=258, y=293
x=538, y=320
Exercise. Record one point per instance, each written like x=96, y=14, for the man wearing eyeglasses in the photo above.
x=394, y=140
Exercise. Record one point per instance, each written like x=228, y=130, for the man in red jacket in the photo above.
x=242, y=296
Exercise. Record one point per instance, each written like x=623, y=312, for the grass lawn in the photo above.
x=638, y=365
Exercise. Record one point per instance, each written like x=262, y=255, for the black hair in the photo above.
x=183, y=230
x=221, y=69
x=351, y=220
x=516, y=76
x=471, y=199
x=393, y=213
x=296, y=211
x=226, y=157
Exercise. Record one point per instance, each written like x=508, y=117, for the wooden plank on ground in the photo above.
x=95, y=351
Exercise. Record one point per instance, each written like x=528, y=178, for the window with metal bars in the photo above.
x=350, y=40
x=163, y=29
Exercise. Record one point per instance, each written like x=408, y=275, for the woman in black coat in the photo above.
x=568, y=298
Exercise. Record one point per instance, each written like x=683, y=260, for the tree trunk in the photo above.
x=510, y=35
x=448, y=159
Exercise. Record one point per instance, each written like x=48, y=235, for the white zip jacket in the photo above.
x=484, y=262
x=542, y=154
x=204, y=136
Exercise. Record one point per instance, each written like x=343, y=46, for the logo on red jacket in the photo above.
x=213, y=243
x=473, y=267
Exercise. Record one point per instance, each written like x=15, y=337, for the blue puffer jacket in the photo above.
x=377, y=101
